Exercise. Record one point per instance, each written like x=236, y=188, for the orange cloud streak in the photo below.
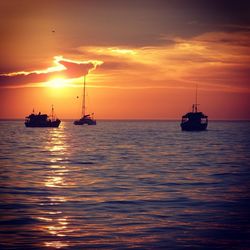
x=217, y=61
x=63, y=68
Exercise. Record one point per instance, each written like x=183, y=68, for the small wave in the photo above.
x=19, y=221
x=81, y=163
x=14, y=206
x=224, y=174
x=4, y=158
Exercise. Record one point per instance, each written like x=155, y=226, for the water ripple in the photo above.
x=124, y=185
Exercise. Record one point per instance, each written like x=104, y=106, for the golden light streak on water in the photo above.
x=56, y=244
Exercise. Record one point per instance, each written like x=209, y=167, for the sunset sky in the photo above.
x=143, y=58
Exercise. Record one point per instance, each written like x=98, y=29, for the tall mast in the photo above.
x=52, y=112
x=83, y=98
x=196, y=104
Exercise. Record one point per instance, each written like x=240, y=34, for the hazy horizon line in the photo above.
x=135, y=120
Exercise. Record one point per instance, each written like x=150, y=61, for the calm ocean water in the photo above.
x=124, y=185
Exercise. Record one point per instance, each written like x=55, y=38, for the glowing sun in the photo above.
x=56, y=83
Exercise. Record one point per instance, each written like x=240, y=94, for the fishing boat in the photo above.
x=42, y=120
x=87, y=119
x=194, y=121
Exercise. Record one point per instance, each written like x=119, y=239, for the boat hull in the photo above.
x=85, y=122
x=49, y=124
x=190, y=126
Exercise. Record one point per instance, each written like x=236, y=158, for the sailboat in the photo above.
x=194, y=121
x=86, y=118
x=42, y=120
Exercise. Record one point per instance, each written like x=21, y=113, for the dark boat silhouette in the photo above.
x=194, y=121
x=42, y=120
x=87, y=119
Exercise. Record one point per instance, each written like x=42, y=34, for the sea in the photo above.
x=125, y=185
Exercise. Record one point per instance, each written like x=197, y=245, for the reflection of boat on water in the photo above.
x=194, y=121
x=86, y=118
x=42, y=120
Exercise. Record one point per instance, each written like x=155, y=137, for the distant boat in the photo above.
x=42, y=120
x=86, y=118
x=194, y=121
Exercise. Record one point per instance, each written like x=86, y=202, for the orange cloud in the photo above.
x=217, y=61
x=63, y=67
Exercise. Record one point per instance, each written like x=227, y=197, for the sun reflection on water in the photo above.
x=54, y=181
x=56, y=142
x=56, y=244
x=54, y=222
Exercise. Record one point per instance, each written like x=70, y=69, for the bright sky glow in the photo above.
x=140, y=62
x=56, y=83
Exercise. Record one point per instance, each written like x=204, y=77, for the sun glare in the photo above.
x=56, y=83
